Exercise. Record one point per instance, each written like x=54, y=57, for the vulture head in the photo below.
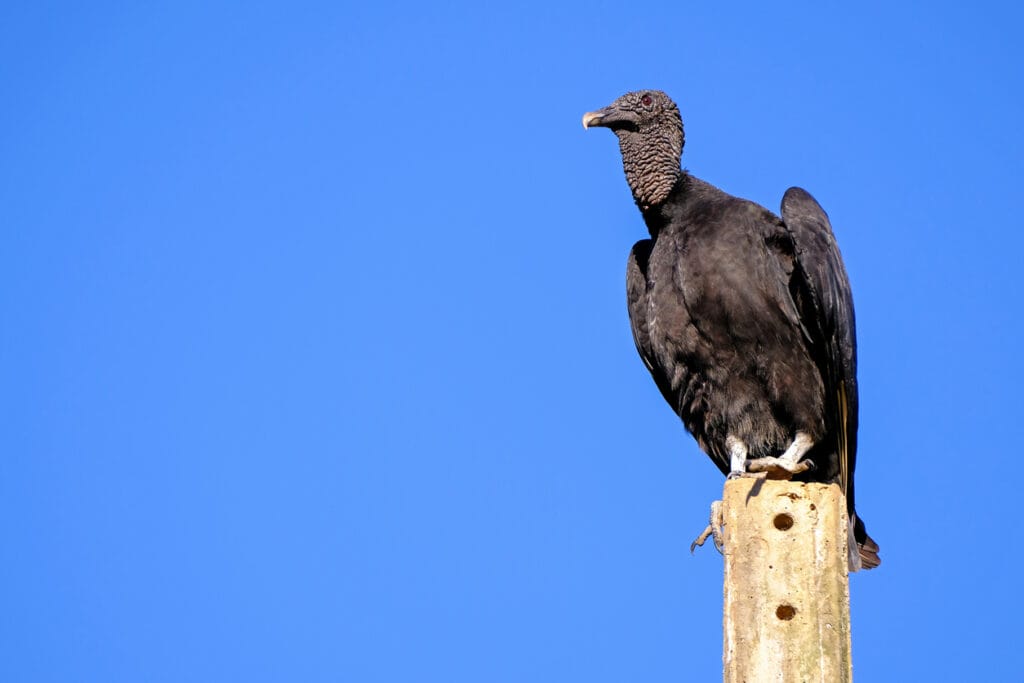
x=650, y=133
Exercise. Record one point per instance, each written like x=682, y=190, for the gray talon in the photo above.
x=713, y=529
x=778, y=465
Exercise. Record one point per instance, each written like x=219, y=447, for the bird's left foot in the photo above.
x=746, y=475
x=778, y=468
x=787, y=464
x=714, y=529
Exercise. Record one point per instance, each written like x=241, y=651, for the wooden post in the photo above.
x=787, y=593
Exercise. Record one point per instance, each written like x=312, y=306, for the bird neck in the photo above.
x=651, y=170
x=659, y=214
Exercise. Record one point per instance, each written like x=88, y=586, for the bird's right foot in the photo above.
x=714, y=529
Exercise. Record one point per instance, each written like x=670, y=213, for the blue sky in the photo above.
x=316, y=356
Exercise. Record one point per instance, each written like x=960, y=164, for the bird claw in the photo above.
x=777, y=468
x=746, y=475
x=713, y=529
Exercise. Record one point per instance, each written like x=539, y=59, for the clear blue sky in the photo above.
x=315, y=355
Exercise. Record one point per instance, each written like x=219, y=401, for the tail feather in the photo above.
x=868, y=551
x=863, y=551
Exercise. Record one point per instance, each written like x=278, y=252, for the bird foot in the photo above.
x=777, y=468
x=745, y=475
x=713, y=529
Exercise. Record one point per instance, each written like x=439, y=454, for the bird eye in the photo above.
x=646, y=99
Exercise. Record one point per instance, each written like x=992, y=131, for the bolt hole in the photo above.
x=783, y=521
x=785, y=612
x=813, y=507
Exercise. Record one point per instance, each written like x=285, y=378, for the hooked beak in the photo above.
x=610, y=117
x=591, y=118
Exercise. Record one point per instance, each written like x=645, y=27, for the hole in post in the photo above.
x=783, y=521
x=785, y=612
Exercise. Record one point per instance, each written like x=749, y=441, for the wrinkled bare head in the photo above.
x=650, y=133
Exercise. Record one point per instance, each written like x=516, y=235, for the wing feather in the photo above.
x=828, y=317
x=636, y=299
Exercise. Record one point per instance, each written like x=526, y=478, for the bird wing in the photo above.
x=826, y=309
x=636, y=299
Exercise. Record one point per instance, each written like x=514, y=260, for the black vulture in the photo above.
x=744, y=320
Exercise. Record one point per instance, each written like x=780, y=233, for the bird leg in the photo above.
x=714, y=529
x=738, y=460
x=737, y=468
x=787, y=464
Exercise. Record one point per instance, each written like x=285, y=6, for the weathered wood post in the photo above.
x=787, y=593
